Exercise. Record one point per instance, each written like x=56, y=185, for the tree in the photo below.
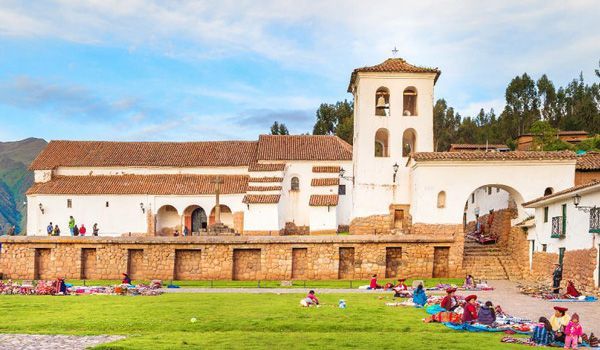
x=522, y=103
x=547, y=96
x=279, y=129
x=335, y=119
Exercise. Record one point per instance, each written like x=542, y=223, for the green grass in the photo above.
x=431, y=282
x=237, y=321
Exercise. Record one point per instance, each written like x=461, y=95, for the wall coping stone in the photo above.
x=229, y=239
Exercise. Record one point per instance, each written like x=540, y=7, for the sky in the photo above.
x=223, y=70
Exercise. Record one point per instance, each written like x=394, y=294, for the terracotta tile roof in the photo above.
x=265, y=179
x=325, y=182
x=323, y=200
x=261, y=198
x=326, y=169
x=169, y=154
x=303, y=147
x=263, y=188
x=266, y=167
x=562, y=133
x=588, y=161
x=393, y=65
x=479, y=155
x=566, y=191
x=140, y=184
x=476, y=146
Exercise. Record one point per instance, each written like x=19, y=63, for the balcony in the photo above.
x=558, y=227
x=595, y=220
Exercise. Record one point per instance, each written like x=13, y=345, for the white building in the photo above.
x=291, y=184
x=485, y=199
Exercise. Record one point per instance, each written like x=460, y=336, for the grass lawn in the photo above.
x=236, y=321
x=431, y=282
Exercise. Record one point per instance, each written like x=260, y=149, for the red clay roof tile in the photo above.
x=323, y=200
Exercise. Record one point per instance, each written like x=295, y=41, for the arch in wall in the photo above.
x=548, y=191
x=167, y=221
x=195, y=219
x=409, y=142
x=226, y=216
x=382, y=102
x=381, y=143
x=480, y=202
x=409, y=101
x=441, y=199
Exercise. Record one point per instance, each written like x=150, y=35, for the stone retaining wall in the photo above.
x=578, y=266
x=371, y=225
x=266, y=258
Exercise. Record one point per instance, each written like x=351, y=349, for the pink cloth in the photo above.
x=573, y=328
x=571, y=341
x=313, y=298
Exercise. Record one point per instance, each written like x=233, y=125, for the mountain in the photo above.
x=15, y=179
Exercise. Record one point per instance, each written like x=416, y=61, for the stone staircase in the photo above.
x=489, y=262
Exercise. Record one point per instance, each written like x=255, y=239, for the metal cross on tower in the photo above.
x=394, y=51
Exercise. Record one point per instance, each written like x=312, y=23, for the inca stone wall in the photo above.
x=393, y=262
x=371, y=225
x=578, y=266
x=214, y=258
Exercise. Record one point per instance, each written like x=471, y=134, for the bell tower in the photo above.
x=393, y=117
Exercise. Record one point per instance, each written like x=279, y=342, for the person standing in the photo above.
x=573, y=331
x=557, y=278
x=95, y=229
x=50, y=229
x=56, y=231
x=72, y=225
x=76, y=230
x=82, y=230
x=186, y=232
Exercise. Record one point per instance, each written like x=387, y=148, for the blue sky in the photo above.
x=199, y=70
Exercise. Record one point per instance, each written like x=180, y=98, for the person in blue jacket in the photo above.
x=419, y=296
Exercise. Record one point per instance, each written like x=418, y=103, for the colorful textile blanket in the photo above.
x=483, y=328
x=588, y=299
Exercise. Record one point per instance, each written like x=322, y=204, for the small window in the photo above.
x=545, y=214
x=295, y=184
x=548, y=191
x=441, y=200
x=382, y=102
x=544, y=247
x=472, y=197
x=342, y=190
x=69, y=203
x=107, y=204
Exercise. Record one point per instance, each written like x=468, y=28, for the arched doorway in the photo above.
x=199, y=221
x=226, y=216
x=167, y=221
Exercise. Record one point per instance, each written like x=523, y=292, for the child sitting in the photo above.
x=487, y=315
x=310, y=299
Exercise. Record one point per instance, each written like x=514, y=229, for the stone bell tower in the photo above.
x=393, y=117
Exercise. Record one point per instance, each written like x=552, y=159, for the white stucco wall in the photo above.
x=374, y=175
x=524, y=180
x=323, y=218
x=261, y=217
x=121, y=216
x=577, y=227
x=498, y=199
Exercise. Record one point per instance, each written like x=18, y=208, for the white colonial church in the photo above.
x=288, y=184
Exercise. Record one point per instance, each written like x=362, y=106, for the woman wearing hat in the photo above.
x=450, y=302
x=559, y=321
x=557, y=278
x=401, y=289
x=470, y=313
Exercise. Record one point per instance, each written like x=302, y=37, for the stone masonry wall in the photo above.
x=212, y=259
x=371, y=225
x=578, y=266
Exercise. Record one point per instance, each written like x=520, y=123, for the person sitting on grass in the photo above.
x=419, y=296
x=559, y=321
x=310, y=299
x=487, y=315
x=126, y=279
x=542, y=333
x=450, y=302
x=373, y=284
x=470, y=313
x=401, y=289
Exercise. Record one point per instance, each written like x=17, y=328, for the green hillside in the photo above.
x=15, y=179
